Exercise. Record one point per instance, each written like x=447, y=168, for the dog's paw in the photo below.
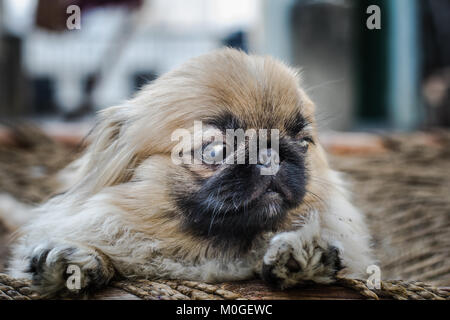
x=65, y=269
x=293, y=259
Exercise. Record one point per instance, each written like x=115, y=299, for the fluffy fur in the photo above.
x=125, y=208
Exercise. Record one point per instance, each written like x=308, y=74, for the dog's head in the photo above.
x=228, y=201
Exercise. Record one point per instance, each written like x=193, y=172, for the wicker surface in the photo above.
x=405, y=194
x=403, y=189
x=17, y=289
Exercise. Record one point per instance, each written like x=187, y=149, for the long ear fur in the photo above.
x=108, y=159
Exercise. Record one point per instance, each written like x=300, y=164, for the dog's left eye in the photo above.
x=304, y=142
x=213, y=153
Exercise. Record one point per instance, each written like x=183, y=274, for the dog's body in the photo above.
x=128, y=210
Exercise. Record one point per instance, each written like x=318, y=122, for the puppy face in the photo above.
x=235, y=202
x=220, y=202
x=230, y=202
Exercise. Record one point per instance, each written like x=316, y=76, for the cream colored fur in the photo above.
x=113, y=215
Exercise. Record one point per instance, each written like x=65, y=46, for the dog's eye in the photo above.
x=213, y=153
x=304, y=142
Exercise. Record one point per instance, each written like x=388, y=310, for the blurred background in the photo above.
x=394, y=78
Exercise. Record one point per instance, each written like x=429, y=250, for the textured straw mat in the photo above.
x=18, y=289
x=405, y=193
x=403, y=189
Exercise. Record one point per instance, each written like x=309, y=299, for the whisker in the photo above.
x=323, y=84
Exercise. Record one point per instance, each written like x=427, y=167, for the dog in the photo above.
x=127, y=209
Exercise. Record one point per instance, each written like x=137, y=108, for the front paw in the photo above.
x=295, y=260
x=65, y=269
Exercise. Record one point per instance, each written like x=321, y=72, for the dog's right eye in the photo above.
x=214, y=153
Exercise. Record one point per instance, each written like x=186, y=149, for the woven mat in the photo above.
x=19, y=289
x=404, y=192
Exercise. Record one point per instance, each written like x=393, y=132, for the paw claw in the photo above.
x=269, y=276
x=293, y=265
x=332, y=259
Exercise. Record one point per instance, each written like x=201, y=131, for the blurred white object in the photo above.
x=18, y=15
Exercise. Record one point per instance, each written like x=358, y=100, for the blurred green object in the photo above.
x=388, y=65
x=372, y=72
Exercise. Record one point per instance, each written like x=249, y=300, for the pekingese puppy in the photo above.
x=130, y=208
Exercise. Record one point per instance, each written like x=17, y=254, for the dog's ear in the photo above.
x=108, y=158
